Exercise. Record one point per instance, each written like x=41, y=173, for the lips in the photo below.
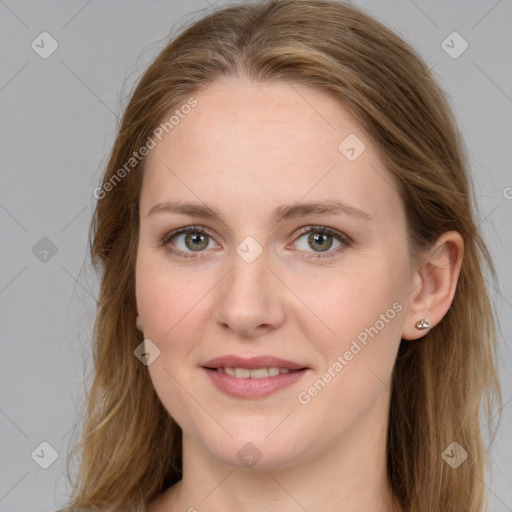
x=252, y=363
x=253, y=377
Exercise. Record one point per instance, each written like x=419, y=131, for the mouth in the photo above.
x=252, y=377
x=254, y=373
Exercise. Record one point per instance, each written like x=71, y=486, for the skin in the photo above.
x=246, y=149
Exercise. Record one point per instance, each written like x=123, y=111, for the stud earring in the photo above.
x=422, y=324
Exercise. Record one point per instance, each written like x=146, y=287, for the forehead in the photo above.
x=254, y=144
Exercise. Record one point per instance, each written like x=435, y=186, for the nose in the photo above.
x=250, y=299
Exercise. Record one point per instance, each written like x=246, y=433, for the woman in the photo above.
x=293, y=313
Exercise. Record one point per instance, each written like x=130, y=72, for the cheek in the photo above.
x=362, y=310
x=353, y=298
x=168, y=298
x=357, y=363
x=350, y=318
x=171, y=304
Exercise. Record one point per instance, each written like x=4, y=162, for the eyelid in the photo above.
x=186, y=229
x=325, y=229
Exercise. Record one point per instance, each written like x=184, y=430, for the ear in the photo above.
x=435, y=282
x=138, y=323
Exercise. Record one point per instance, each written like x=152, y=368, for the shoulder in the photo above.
x=96, y=509
x=88, y=509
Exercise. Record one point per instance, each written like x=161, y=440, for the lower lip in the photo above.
x=253, y=388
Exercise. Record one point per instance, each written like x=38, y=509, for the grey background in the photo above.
x=58, y=120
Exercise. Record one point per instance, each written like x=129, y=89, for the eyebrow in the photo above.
x=281, y=213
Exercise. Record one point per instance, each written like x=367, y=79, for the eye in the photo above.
x=188, y=241
x=322, y=239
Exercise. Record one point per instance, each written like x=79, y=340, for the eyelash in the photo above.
x=340, y=237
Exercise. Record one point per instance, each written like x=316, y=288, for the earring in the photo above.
x=422, y=324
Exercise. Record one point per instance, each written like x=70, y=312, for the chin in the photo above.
x=256, y=449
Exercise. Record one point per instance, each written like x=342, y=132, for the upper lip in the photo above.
x=233, y=361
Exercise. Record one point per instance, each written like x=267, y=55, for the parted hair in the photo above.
x=130, y=448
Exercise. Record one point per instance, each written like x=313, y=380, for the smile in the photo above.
x=256, y=373
x=250, y=376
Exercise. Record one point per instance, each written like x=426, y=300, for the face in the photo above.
x=262, y=272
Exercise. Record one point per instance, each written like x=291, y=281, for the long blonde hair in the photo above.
x=130, y=450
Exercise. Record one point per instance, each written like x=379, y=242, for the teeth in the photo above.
x=242, y=373
x=256, y=373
